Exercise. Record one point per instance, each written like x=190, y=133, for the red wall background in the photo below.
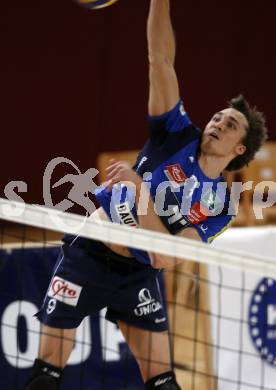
x=74, y=82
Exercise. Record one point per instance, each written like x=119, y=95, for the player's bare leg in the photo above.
x=55, y=348
x=145, y=346
x=56, y=345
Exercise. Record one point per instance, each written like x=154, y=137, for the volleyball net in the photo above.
x=221, y=303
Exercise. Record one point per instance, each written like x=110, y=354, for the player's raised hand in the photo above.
x=121, y=172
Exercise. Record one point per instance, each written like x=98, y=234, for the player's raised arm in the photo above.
x=164, y=90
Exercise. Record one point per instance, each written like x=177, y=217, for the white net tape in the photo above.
x=150, y=241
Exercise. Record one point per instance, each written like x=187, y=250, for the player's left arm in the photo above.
x=164, y=261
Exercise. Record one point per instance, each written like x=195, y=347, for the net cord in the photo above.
x=147, y=240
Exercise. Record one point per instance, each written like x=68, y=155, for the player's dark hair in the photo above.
x=256, y=132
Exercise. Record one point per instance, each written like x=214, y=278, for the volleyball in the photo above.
x=95, y=4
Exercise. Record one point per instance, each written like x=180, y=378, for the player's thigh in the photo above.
x=81, y=285
x=150, y=349
x=56, y=345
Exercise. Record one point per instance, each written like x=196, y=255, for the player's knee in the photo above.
x=164, y=381
x=44, y=376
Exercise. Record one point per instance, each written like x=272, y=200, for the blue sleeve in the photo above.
x=213, y=227
x=173, y=121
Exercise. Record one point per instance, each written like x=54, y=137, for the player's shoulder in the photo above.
x=173, y=121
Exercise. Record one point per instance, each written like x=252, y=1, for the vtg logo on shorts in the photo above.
x=148, y=305
x=64, y=291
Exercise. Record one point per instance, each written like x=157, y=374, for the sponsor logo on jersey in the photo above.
x=175, y=174
x=64, y=291
x=203, y=228
x=197, y=214
x=125, y=215
x=262, y=320
x=147, y=305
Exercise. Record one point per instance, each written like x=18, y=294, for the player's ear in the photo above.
x=240, y=149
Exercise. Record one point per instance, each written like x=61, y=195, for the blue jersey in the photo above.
x=183, y=195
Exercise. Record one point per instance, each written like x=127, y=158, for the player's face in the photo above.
x=224, y=133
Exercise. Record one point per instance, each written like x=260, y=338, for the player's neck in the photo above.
x=211, y=165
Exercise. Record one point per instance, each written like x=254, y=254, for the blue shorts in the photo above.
x=89, y=277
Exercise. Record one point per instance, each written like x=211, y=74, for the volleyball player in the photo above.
x=175, y=164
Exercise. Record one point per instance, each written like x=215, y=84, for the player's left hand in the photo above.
x=121, y=172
